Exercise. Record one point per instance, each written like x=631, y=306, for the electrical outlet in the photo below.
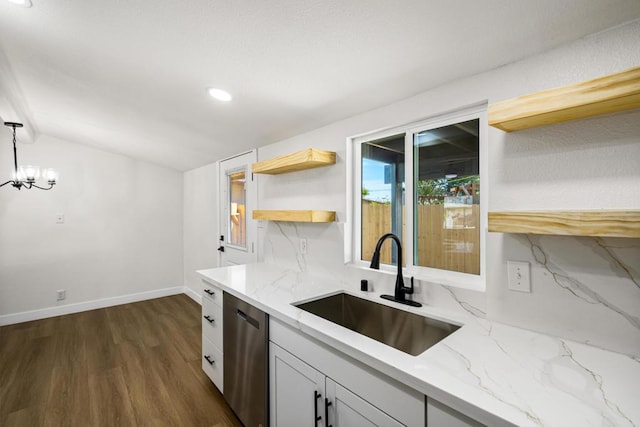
x=519, y=276
x=303, y=246
x=61, y=294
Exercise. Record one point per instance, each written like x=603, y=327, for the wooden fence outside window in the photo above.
x=448, y=238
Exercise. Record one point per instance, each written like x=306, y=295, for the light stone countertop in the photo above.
x=496, y=374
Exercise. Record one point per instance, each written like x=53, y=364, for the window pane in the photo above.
x=447, y=198
x=237, y=218
x=382, y=197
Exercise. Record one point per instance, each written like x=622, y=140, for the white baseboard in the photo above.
x=193, y=295
x=26, y=316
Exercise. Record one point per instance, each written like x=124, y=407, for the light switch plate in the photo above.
x=519, y=276
x=59, y=218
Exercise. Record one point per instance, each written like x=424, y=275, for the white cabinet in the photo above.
x=296, y=390
x=351, y=410
x=212, y=348
x=309, y=382
x=303, y=396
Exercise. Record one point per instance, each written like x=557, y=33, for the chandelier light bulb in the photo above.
x=51, y=175
x=30, y=173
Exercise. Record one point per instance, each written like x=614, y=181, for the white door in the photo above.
x=237, y=198
x=347, y=409
x=296, y=391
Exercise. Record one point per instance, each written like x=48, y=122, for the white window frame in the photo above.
x=227, y=220
x=353, y=228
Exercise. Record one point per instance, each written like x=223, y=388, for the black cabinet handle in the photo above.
x=221, y=248
x=316, y=417
x=209, y=359
x=209, y=319
x=210, y=292
x=327, y=403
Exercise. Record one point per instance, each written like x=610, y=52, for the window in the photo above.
x=422, y=183
x=382, y=198
x=237, y=221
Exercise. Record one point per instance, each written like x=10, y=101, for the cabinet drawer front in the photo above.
x=213, y=293
x=212, y=363
x=212, y=322
x=348, y=409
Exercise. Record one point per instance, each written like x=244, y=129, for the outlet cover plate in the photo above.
x=519, y=276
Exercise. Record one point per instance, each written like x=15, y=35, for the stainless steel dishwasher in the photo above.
x=246, y=363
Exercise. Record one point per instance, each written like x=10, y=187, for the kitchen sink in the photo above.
x=407, y=332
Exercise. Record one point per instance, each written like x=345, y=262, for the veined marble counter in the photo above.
x=496, y=374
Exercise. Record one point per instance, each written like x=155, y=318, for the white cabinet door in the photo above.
x=349, y=410
x=296, y=389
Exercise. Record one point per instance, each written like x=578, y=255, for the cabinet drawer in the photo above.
x=212, y=363
x=213, y=293
x=212, y=322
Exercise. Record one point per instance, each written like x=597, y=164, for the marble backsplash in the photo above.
x=325, y=259
x=586, y=289
x=583, y=289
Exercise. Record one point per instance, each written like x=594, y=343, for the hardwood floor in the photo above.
x=129, y=365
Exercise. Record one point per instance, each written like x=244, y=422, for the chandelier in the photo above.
x=26, y=176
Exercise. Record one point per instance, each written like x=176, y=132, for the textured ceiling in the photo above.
x=131, y=76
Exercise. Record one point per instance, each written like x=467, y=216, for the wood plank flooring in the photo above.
x=129, y=365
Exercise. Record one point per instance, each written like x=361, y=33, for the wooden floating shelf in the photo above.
x=300, y=160
x=602, y=223
x=295, y=216
x=608, y=94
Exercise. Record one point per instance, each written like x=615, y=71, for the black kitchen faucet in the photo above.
x=400, y=290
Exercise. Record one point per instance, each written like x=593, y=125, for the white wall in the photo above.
x=122, y=233
x=583, y=288
x=200, y=226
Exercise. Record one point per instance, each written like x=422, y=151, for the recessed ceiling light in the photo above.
x=23, y=3
x=219, y=94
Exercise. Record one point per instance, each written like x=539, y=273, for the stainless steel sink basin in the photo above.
x=407, y=332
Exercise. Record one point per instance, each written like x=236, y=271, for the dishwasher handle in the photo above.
x=250, y=320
